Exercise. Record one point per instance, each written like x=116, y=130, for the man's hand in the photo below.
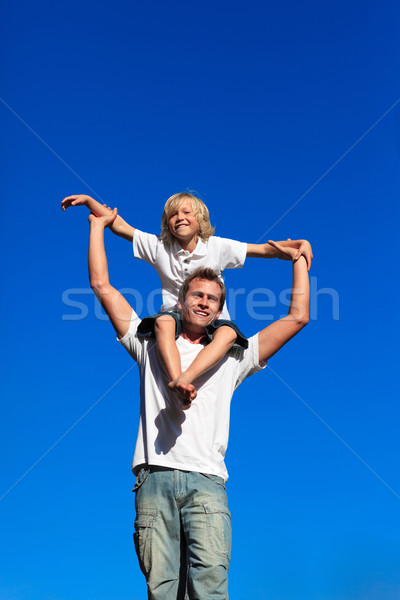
x=186, y=392
x=306, y=251
x=104, y=221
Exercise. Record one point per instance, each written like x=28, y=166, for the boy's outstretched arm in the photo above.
x=119, y=226
x=273, y=337
x=268, y=250
x=114, y=304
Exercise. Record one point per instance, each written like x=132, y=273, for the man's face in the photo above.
x=201, y=303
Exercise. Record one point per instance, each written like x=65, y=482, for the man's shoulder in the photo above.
x=131, y=341
x=248, y=358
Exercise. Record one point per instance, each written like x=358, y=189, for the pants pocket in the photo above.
x=143, y=537
x=219, y=528
x=215, y=479
x=141, y=478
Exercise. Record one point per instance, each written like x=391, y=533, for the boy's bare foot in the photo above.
x=186, y=392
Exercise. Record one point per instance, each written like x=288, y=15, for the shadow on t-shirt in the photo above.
x=169, y=424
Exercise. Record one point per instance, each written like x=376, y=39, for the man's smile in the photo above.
x=201, y=313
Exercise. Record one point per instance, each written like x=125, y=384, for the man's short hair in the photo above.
x=203, y=273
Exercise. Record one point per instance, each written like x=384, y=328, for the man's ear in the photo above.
x=180, y=305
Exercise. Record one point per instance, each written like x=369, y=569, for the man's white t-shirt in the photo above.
x=195, y=439
x=173, y=264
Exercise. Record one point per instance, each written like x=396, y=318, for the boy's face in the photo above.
x=182, y=222
x=201, y=305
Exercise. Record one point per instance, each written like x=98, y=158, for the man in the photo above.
x=182, y=528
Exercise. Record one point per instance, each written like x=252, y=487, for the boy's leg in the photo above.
x=165, y=333
x=164, y=330
x=223, y=340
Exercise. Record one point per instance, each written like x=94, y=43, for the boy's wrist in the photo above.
x=117, y=225
x=90, y=202
x=85, y=200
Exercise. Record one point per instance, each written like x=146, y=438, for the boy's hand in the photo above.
x=286, y=252
x=301, y=247
x=76, y=200
x=104, y=221
x=117, y=226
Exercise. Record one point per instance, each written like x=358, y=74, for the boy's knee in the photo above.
x=164, y=324
x=226, y=333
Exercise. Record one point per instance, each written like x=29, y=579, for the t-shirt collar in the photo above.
x=200, y=250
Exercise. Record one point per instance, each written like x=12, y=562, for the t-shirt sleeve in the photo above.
x=232, y=253
x=145, y=246
x=248, y=361
x=130, y=341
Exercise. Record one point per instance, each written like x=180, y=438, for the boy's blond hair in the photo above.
x=200, y=211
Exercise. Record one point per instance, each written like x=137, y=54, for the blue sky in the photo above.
x=267, y=110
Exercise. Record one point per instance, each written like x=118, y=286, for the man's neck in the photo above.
x=194, y=337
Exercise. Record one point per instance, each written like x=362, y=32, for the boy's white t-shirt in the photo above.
x=195, y=439
x=173, y=264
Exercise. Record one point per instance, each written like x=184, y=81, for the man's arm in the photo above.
x=114, y=304
x=267, y=250
x=119, y=226
x=273, y=337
